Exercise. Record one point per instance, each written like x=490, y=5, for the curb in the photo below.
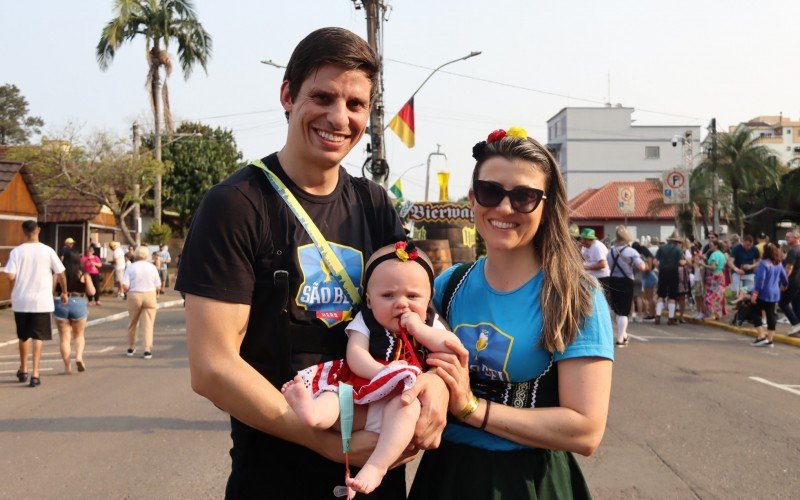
x=750, y=332
x=114, y=317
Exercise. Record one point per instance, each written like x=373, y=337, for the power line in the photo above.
x=539, y=91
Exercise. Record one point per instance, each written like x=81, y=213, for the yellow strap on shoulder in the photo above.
x=324, y=249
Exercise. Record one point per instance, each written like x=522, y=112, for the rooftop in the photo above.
x=601, y=203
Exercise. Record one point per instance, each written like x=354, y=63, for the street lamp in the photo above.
x=428, y=168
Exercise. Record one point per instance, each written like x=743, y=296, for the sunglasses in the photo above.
x=523, y=199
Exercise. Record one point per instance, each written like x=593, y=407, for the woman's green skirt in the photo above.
x=464, y=472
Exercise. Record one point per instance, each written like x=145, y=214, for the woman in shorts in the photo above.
x=71, y=317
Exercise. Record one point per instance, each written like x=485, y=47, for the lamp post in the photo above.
x=428, y=168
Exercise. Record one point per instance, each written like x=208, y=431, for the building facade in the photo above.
x=598, y=145
x=779, y=133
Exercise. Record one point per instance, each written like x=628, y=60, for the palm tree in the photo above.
x=160, y=22
x=744, y=165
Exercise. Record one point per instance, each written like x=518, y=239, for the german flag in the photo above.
x=403, y=123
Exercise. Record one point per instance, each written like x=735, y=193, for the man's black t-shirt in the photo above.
x=793, y=257
x=230, y=255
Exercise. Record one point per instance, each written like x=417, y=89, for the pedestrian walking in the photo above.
x=118, y=261
x=166, y=259
x=770, y=280
x=65, y=250
x=624, y=261
x=715, y=304
x=91, y=265
x=790, y=298
x=71, y=317
x=595, y=254
x=669, y=258
x=141, y=284
x=30, y=268
x=260, y=302
x=644, y=286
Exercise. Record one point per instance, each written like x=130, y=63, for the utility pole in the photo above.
x=375, y=10
x=712, y=128
x=137, y=214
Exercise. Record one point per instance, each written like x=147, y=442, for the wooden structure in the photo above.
x=19, y=201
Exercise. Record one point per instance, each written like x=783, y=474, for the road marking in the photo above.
x=787, y=388
x=640, y=339
x=3, y=372
x=48, y=354
x=106, y=319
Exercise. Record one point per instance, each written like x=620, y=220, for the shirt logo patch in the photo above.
x=320, y=292
x=489, y=349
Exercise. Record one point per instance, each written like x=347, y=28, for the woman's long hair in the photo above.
x=567, y=290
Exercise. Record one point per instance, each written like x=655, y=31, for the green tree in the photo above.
x=15, y=124
x=159, y=22
x=195, y=165
x=744, y=166
x=100, y=167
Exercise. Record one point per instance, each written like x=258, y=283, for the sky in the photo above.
x=677, y=63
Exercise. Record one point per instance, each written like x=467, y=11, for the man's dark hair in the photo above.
x=29, y=226
x=336, y=46
x=747, y=237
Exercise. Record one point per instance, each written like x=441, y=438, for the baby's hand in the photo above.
x=411, y=322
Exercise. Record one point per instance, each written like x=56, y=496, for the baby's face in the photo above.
x=396, y=287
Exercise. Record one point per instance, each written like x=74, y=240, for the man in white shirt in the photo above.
x=30, y=268
x=118, y=261
x=594, y=254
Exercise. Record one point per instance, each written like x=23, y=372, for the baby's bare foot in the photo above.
x=299, y=398
x=367, y=479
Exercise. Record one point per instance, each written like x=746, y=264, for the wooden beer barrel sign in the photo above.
x=439, y=253
x=449, y=221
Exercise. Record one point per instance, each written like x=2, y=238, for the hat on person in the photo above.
x=113, y=245
x=69, y=240
x=587, y=233
x=654, y=240
x=762, y=236
x=675, y=236
x=623, y=235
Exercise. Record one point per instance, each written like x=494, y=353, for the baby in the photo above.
x=386, y=349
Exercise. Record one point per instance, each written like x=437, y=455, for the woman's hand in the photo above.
x=454, y=370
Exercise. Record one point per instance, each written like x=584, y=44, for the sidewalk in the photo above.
x=781, y=329
x=112, y=308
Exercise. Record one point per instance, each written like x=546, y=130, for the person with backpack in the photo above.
x=535, y=385
x=272, y=269
x=624, y=261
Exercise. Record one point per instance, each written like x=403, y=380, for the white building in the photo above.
x=595, y=146
x=779, y=134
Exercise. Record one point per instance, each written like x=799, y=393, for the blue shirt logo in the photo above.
x=489, y=349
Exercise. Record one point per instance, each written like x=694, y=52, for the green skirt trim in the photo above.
x=464, y=472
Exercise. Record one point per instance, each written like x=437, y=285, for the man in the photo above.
x=763, y=239
x=668, y=259
x=30, y=268
x=166, y=258
x=790, y=298
x=743, y=261
x=260, y=302
x=594, y=254
x=66, y=249
x=118, y=261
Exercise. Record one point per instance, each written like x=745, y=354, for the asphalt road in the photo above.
x=695, y=413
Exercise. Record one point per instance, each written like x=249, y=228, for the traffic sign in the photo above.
x=626, y=199
x=676, y=186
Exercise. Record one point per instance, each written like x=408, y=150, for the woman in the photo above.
x=543, y=374
x=698, y=290
x=641, y=308
x=91, y=264
x=624, y=261
x=141, y=284
x=715, y=264
x=71, y=317
x=771, y=279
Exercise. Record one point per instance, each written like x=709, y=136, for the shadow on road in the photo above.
x=122, y=423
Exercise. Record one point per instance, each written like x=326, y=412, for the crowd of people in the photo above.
x=61, y=286
x=743, y=275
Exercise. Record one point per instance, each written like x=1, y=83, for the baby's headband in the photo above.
x=403, y=251
x=480, y=149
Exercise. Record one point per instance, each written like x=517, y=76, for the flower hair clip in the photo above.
x=406, y=250
x=496, y=136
